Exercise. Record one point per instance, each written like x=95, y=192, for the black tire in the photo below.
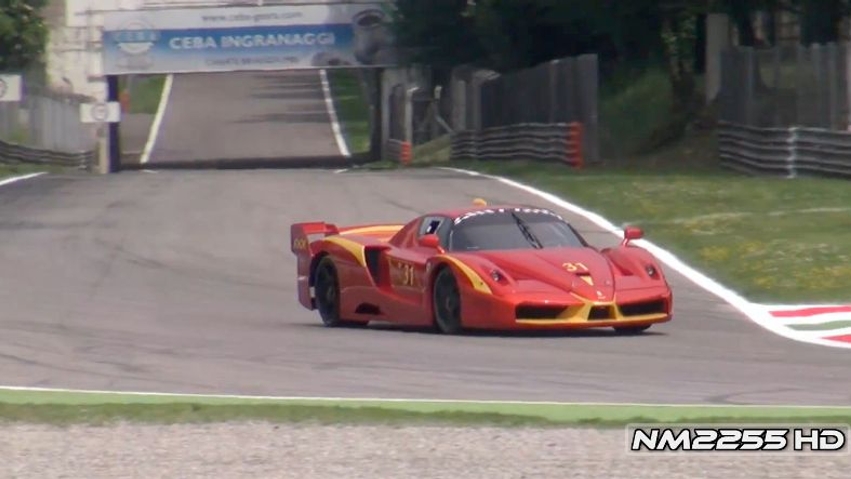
x=632, y=330
x=327, y=287
x=446, y=302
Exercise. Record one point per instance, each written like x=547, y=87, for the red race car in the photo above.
x=502, y=267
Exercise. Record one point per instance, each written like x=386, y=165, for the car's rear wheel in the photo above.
x=446, y=301
x=327, y=286
x=632, y=330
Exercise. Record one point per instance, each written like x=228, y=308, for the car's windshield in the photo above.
x=512, y=228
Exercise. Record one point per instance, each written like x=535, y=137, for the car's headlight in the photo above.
x=498, y=276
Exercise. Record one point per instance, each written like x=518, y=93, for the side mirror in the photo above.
x=431, y=241
x=631, y=233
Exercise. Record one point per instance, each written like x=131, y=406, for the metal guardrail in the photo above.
x=790, y=151
x=399, y=151
x=11, y=153
x=556, y=142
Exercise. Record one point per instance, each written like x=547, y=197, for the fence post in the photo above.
x=846, y=52
x=776, y=59
x=408, y=125
x=552, y=91
x=458, y=100
x=833, y=86
x=114, y=138
x=792, y=159
x=750, y=87
x=588, y=96
x=818, y=64
x=408, y=132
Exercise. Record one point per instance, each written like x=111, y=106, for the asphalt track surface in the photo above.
x=182, y=281
x=246, y=120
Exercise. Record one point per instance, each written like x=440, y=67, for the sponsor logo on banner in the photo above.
x=248, y=38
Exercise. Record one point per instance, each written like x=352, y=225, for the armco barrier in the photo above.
x=556, y=142
x=399, y=151
x=11, y=153
x=785, y=151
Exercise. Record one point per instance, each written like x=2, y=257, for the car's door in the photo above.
x=407, y=264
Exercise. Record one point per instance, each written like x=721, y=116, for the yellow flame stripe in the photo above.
x=373, y=229
x=353, y=247
x=476, y=280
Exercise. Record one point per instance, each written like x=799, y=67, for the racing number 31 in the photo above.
x=407, y=271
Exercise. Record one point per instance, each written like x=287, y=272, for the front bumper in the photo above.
x=520, y=312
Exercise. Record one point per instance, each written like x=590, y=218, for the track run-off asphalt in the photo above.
x=182, y=281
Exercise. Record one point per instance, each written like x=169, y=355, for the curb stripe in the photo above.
x=812, y=311
x=845, y=338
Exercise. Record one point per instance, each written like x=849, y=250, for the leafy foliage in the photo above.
x=23, y=33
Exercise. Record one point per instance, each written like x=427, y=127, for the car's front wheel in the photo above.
x=446, y=301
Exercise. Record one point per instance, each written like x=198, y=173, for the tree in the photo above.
x=820, y=20
x=23, y=34
x=436, y=32
x=679, y=35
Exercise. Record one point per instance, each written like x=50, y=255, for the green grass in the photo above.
x=145, y=93
x=352, y=108
x=95, y=408
x=772, y=240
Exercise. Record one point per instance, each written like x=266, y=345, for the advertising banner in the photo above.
x=223, y=39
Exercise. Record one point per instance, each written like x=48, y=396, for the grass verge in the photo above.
x=773, y=240
x=96, y=408
x=145, y=93
x=352, y=108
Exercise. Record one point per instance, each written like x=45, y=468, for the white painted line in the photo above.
x=396, y=400
x=341, y=170
x=158, y=119
x=757, y=313
x=332, y=114
x=150, y=171
x=14, y=179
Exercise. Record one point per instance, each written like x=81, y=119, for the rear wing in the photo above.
x=301, y=233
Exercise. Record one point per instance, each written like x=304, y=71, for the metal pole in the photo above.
x=114, y=137
x=376, y=137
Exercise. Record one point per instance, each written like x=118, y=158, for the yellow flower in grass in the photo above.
x=715, y=254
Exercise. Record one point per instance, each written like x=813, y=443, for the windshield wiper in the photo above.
x=527, y=233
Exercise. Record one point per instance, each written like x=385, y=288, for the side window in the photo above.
x=438, y=225
x=430, y=225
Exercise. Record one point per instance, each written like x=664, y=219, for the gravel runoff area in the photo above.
x=262, y=450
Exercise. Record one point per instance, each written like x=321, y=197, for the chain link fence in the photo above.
x=558, y=93
x=45, y=127
x=786, y=86
x=784, y=110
